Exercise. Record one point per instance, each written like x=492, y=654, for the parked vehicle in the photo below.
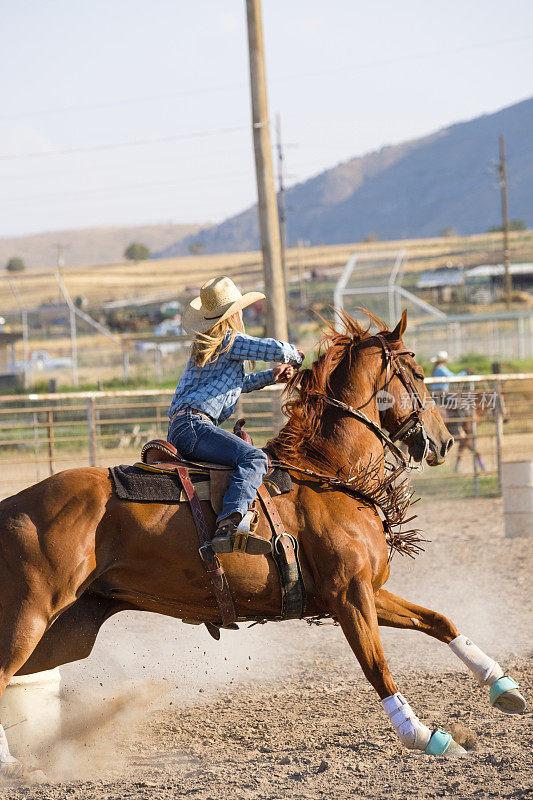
x=169, y=327
x=43, y=361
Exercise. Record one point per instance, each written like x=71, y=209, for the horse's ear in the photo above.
x=399, y=330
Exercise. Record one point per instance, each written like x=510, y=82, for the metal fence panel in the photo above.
x=41, y=434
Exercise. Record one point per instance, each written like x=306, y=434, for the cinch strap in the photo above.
x=285, y=552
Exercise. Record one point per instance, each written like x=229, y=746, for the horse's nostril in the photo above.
x=445, y=448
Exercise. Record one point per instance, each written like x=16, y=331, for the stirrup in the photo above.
x=239, y=539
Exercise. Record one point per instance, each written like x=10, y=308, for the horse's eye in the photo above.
x=418, y=374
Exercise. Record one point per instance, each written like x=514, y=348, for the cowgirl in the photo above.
x=208, y=391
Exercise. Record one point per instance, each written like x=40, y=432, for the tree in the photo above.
x=15, y=264
x=136, y=251
x=448, y=231
x=196, y=248
x=514, y=225
x=370, y=237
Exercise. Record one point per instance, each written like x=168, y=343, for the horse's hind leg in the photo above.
x=395, y=612
x=27, y=609
x=354, y=608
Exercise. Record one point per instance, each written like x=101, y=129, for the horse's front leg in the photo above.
x=395, y=612
x=353, y=606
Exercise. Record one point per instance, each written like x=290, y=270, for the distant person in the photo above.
x=441, y=370
x=207, y=394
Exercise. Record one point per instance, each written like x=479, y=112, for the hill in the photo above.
x=410, y=190
x=89, y=246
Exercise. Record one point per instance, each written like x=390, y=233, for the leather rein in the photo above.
x=413, y=423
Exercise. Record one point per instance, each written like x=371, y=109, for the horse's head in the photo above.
x=406, y=407
x=361, y=379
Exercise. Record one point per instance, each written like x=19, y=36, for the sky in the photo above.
x=119, y=112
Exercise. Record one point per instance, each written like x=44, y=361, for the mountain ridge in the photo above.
x=445, y=179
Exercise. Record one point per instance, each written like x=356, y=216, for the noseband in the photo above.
x=413, y=424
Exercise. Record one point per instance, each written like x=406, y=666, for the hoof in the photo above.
x=504, y=695
x=511, y=702
x=455, y=750
x=9, y=770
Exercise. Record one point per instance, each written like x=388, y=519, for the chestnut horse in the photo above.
x=72, y=553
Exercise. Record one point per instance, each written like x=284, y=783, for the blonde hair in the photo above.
x=208, y=346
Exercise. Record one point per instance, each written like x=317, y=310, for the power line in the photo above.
x=122, y=103
x=276, y=78
x=37, y=170
x=406, y=57
x=226, y=177
x=120, y=145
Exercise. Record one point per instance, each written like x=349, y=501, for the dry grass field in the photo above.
x=173, y=276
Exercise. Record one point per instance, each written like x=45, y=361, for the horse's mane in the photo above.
x=303, y=408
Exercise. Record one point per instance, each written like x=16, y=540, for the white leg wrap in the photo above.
x=5, y=755
x=411, y=732
x=486, y=670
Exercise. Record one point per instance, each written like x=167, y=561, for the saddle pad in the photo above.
x=160, y=484
x=278, y=481
x=139, y=486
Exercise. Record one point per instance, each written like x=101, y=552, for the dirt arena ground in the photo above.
x=160, y=710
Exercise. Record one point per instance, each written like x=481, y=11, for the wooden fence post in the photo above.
x=498, y=420
x=278, y=418
x=51, y=449
x=91, y=428
x=36, y=445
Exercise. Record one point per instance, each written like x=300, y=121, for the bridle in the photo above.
x=413, y=424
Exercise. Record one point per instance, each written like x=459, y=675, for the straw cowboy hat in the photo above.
x=219, y=299
x=442, y=355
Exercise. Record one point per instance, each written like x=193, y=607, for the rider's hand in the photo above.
x=283, y=373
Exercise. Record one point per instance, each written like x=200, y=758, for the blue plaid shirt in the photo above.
x=215, y=388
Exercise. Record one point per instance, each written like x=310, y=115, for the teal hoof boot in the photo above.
x=442, y=744
x=504, y=695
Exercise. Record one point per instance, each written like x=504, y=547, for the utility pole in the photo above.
x=72, y=317
x=25, y=335
x=505, y=217
x=282, y=213
x=266, y=191
x=301, y=274
x=281, y=200
x=60, y=261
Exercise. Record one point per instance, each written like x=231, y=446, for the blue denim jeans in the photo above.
x=195, y=437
